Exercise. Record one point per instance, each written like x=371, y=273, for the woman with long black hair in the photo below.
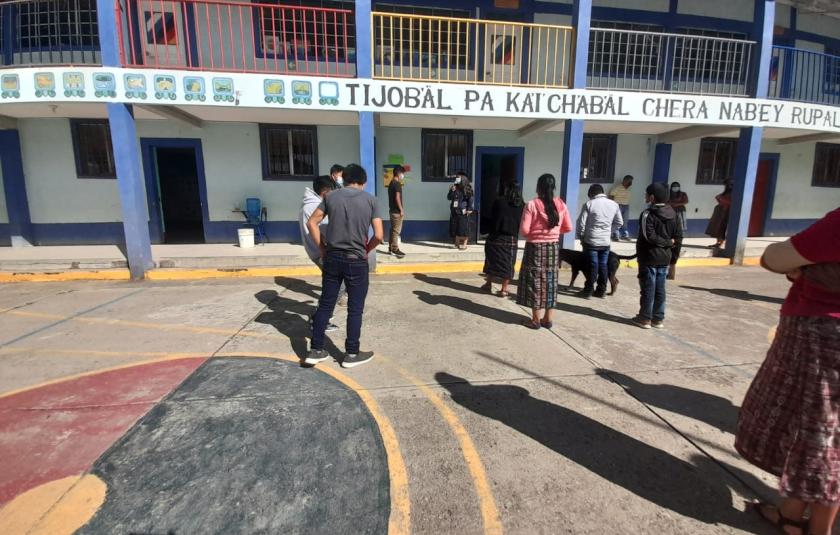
x=502, y=244
x=544, y=219
x=720, y=216
x=461, y=201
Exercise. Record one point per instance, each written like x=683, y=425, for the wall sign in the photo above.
x=300, y=92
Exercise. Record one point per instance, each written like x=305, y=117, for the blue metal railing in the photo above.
x=804, y=75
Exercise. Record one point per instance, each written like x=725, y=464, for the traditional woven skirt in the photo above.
x=500, y=256
x=718, y=223
x=538, y=276
x=789, y=424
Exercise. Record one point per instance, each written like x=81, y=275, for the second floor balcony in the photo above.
x=804, y=75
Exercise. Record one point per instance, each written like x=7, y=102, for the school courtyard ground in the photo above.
x=180, y=407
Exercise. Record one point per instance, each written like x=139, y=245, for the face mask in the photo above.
x=458, y=180
x=675, y=190
x=339, y=181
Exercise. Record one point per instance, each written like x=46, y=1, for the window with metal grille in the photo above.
x=398, y=38
x=303, y=34
x=831, y=71
x=92, y=148
x=717, y=160
x=696, y=58
x=597, y=160
x=445, y=152
x=56, y=23
x=621, y=54
x=289, y=152
x=826, y=172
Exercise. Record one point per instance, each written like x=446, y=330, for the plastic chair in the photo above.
x=256, y=216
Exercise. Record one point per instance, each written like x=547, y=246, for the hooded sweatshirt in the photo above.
x=660, y=236
x=597, y=220
x=311, y=201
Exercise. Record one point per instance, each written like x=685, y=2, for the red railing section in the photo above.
x=219, y=35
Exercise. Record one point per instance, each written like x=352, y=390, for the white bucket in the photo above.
x=246, y=237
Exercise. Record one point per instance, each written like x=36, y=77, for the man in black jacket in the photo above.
x=660, y=239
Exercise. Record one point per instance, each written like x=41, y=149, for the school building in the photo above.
x=152, y=121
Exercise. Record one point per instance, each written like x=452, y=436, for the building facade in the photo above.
x=148, y=121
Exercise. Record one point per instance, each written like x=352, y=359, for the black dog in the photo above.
x=578, y=261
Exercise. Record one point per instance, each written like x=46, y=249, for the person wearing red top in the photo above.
x=544, y=219
x=789, y=424
x=720, y=216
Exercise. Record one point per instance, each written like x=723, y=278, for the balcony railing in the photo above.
x=803, y=75
x=231, y=36
x=48, y=32
x=668, y=62
x=445, y=49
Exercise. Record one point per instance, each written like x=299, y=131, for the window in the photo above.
x=289, y=152
x=831, y=71
x=626, y=52
x=717, y=160
x=55, y=23
x=597, y=160
x=826, y=166
x=397, y=38
x=710, y=59
x=445, y=152
x=92, y=148
x=287, y=33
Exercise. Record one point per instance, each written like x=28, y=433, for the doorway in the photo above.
x=765, y=189
x=495, y=166
x=175, y=189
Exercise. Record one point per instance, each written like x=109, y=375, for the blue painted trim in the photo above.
x=14, y=185
x=774, y=157
x=194, y=44
x=364, y=53
x=764, y=21
x=108, y=41
x=7, y=33
x=746, y=165
x=78, y=233
x=662, y=163
x=5, y=235
x=581, y=21
x=130, y=186
x=570, y=177
x=367, y=150
x=226, y=231
x=147, y=148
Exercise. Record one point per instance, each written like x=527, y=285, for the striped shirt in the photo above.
x=620, y=194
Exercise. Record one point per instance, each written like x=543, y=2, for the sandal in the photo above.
x=488, y=287
x=531, y=324
x=781, y=522
x=546, y=324
x=502, y=293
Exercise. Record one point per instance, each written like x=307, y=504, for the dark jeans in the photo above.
x=597, y=268
x=652, y=284
x=353, y=272
x=622, y=232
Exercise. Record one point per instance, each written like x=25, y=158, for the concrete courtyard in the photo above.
x=179, y=407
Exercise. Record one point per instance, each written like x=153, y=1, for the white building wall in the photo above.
x=4, y=215
x=734, y=9
x=55, y=194
x=684, y=158
x=795, y=198
x=817, y=23
x=645, y=5
x=634, y=156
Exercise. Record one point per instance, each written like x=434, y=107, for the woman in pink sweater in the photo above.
x=544, y=219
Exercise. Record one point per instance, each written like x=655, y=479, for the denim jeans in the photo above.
x=622, y=231
x=652, y=285
x=597, y=269
x=353, y=272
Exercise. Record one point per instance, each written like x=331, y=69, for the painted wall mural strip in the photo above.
x=300, y=92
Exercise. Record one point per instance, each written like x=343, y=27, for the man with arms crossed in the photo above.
x=344, y=250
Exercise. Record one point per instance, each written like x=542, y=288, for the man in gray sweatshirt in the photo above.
x=598, y=218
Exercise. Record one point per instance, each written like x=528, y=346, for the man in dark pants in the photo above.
x=344, y=249
x=396, y=209
x=598, y=219
x=660, y=239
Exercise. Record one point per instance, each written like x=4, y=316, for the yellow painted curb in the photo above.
x=752, y=261
x=230, y=273
x=66, y=276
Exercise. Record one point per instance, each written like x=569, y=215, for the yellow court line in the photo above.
x=399, y=522
x=487, y=504
x=67, y=276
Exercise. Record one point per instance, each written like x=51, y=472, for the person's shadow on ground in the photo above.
x=449, y=283
x=714, y=410
x=741, y=295
x=291, y=319
x=696, y=490
x=465, y=305
x=300, y=286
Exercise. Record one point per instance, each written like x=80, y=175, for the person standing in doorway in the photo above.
x=598, y=219
x=621, y=194
x=396, y=210
x=344, y=250
x=502, y=244
x=544, y=219
x=660, y=239
x=789, y=423
x=337, y=174
x=312, y=199
x=678, y=201
x=720, y=216
x=461, y=201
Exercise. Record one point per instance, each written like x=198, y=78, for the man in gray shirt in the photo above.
x=344, y=249
x=598, y=218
